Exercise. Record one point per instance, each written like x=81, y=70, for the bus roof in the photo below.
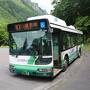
x=56, y=23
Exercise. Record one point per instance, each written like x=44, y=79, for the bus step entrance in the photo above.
x=56, y=71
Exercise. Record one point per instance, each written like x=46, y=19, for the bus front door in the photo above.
x=56, y=59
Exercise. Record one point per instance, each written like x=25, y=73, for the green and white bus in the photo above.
x=42, y=46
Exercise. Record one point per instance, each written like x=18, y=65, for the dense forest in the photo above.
x=10, y=12
x=74, y=12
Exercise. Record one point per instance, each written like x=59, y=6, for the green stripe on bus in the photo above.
x=31, y=60
x=71, y=58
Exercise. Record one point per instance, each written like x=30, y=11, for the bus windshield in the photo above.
x=30, y=43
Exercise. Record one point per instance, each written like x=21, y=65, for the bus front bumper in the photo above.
x=31, y=70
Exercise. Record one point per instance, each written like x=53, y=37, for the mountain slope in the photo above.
x=17, y=9
x=12, y=11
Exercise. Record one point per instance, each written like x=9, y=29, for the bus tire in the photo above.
x=66, y=63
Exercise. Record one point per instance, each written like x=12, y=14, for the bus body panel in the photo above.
x=72, y=54
x=31, y=70
x=25, y=65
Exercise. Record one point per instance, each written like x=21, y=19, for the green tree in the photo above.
x=74, y=12
x=69, y=10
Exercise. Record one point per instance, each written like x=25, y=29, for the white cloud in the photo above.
x=44, y=4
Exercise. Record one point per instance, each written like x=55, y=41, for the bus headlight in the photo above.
x=45, y=70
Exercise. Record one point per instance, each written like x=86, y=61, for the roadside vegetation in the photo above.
x=74, y=12
x=86, y=47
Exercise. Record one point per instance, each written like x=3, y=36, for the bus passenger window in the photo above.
x=65, y=42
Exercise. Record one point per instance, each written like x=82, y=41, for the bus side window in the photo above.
x=66, y=41
x=55, y=47
x=72, y=40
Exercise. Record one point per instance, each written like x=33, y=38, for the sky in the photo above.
x=44, y=4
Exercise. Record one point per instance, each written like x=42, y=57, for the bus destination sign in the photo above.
x=28, y=25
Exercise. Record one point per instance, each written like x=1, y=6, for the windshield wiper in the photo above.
x=25, y=44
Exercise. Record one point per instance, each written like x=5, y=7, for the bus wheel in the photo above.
x=66, y=63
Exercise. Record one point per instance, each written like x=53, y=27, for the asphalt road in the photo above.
x=77, y=76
